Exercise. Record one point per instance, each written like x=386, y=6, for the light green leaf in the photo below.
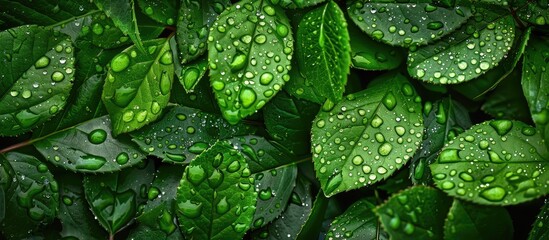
x=249, y=49
x=324, y=50
x=292, y=4
x=471, y=51
x=406, y=23
x=138, y=85
x=498, y=162
x=37, y=70
x=215, y=199
x=122, y=13
x=415, y=213
x=114, y=197
x=162, y=11
x=184, y=132
x=195, y=19
x=444, y=120
x=357, y=222
x=470, y=221
x=35, y=200
x=535, y=83
x=368, y=136
x=74, y=212
x=89, y=147
x=539, y=228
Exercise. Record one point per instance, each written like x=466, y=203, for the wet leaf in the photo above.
x=497, y=162
x=162, y=11
x=367, y=136
x=195, y=19
x=35, y=200
x=89, y=147
x=324, y=50
x=505, y=102
x=138, y=85
x=122, y=13
x=533, y=12
x=406, y=23
x=292, y=4
x=250, y=47
x=476, y=47
x=415, y=213
x=535, y=83
x=115, y=197
x=357, y=222
x=37, y=70
x=214, y=198
x=313, y=222
x=183, y=133
x=190, y=74
x=470, y=221
x=539, y=228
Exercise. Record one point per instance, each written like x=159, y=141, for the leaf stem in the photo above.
x=16, y=146
x=73, y=18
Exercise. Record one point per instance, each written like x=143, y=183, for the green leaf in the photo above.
x=293, y=218
x=35, y=200
x=471, y=51
x=310, y=227
x=539, y=228
x=292, y=4
x=162, y=11
x=367, y=54
x=122, y=13
x=101, y=32
x=357, y=222
x=367, y=136
x=215, y=199
x=96, y=151
x=159, y=214
x=470, y=221
x=183, y=133
x=190, y=74
x=324, y=50
x=196, y=18
x=6, y=178
x=406, y=23
x=534, y=12
x=201, y=97
x=76, y=218
x=114, y=197
x=300, y=86
x=37, y=72
x=505, y=102
x=535, y=81
x=415, y=213
x=498, y=162
x=138, y=85
x=288, y=120
x=249, y=49
x=444, y=120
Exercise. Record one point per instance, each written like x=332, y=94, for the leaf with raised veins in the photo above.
x=122, y=13
x=497, y=162
x=138, y=85
x=249, y=49
x=367, y=136
x=215, y=198
x=37, y=70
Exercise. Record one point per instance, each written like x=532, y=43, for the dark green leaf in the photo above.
x=498, y=162
x=324, y=50
x=215, y=198
x=505, y=102
x=444, y=120
x=313, y=222
x=288, y=120
x=114, y=197
x=35, y=200
x=535, y=83
x=190, y=74
x=101, y=31
x=476, y=47
x=162, y=11
x=250, y=47
x=122, y=13
x=184, y=132
x=6, y=178
x=367, y=136
x=470, y=221
x=358, y=222
x=415, y=213
x=195, y=19
x=296, y=3
x=534, y=12
x=201, y=98
x=406, y=23
x=89, y=147
x=74, y=212
x=37, y=70
x=138, y=85
x=539, y=229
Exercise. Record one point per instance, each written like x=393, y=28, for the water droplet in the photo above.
x=502, y=127
x=42, y=62
x=394, y=223
x=265, y=194
x=166, y=58
x=122, y=158
x=234, y=166
x=27, y=119
x=120, y=62
x=165, y=83
x=447, y=185
x=155, y=108
x=377, y=34
x=266, y=78
x=191, y=77
x=493, y=194
x=123, y=96
x=385, y=149
x=153, y=193
x=222, y=206
x=449, y=155
x=198, y=147
x=282, y=30
x=357, y=160
x=195, y=174
x=238, y=63
x=218, y=85
x=409, y=228
x=240, y=227
x=189, y=209
x=389, y=101
x=247, y=97
x=57, y=76
x=97, y=29
x=97, y=136
x=90, y=162
x=466, y=177
x=435, y=25
x=215, y=179
x=333, y=183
